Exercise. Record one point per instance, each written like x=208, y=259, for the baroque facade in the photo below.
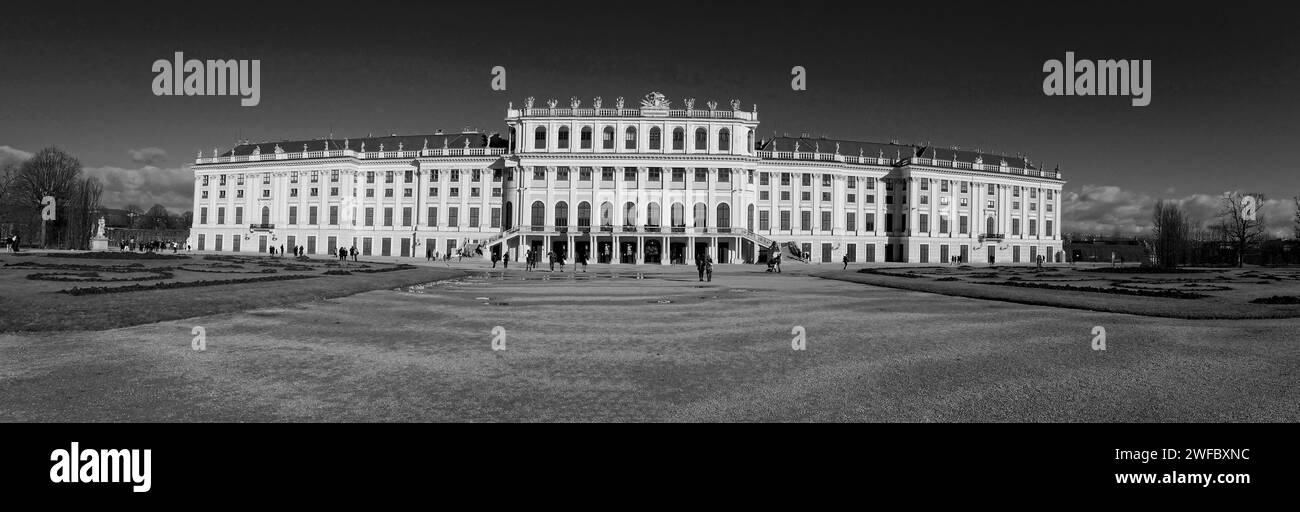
x=620, y=184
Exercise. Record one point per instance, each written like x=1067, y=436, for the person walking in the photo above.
x=505, y=261
x=495, y=257
x=428, y=254
x=550, y=258
x=582, y=258
x=353, y=250
x=282, y=253
x=708, y=268
x=846, y=262
x=699, y=265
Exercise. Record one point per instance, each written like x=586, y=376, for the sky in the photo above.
x=1222, y=117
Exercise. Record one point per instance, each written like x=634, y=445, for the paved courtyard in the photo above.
x=617, y=346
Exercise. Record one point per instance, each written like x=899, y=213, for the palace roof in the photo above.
x=388, y=142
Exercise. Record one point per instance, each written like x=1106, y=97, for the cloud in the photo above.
x=1106, y=210
x=148, y=156
x=145, y=187
x=9, y=154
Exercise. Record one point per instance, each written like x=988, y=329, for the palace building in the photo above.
x=621, y=184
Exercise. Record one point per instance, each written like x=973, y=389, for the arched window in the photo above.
x=749, y=220
x=701, y=215
x=989, y=225
x=564, y=137
x=607, y=138
x=606, y=214
x=584, y=214
x=539, y=214
x=629, y=138
x=562, y=214
x=585, y=142
x=701, y=139
x=652, y=214
x=629, y=214
x=514, y=137
x=724, y=140
x=679, y=215
x=750, y=148
x=266, y=215
x=655, y=138
x=724, y=216
x=539, y=138
x=679, y=139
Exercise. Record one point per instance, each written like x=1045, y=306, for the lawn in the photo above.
x=1195, y=294
x=231, y=284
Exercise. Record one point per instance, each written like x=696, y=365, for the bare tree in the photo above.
x=50, y=172
x=1170, y=230
x=1297, y=216
x=1239, y=228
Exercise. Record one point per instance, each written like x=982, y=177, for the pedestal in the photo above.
x=99, y=243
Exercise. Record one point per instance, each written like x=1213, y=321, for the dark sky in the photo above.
x=1223, y=114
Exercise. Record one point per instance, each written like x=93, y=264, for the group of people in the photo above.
x=152, y=246
x=344, y=252
x=432, y=255
x=533, y=256
x=12, y=243
x=774, y=258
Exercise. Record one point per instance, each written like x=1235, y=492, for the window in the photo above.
x=607, y=138
x=266, y=178
x=606, y=174
x=496, y=191
x=1033, y=193
x=805, y=196
x=311, y=216
x=203, y=216
x=943, y=186
x=963, y=202
x=453, y=216
x=239, y=180
x=408, y=177
x=433, y=192
x=679, y=175
x=539, y=138
x=455, y=191
x=222, y=180
x=388, y=192
x=805, y=180
x=629, y=174
x=763, y=179
x=656, y=136
x=205, y=194
x=785, y=220
x=724, y=140
x=1033, y=227
x=943, y=200
x=370, y=216
x=871, y=198
x=1015, y=227
x=474, y=192
x=334, y=191
x=629, y=138
x=563, y=140
x=826, y=180
x=562, y=174
x=388, y=176
x=1015, y=205
x=871, y=222
x=334, y=215
x=764, y=220
x=539, y=173
x=432, y=214
x=584, y=215
x=701, y=175
x=585, y=139
x=495, y=220
x=584, y=174
x=473, y=217
x=205, y=179
x=406, y=216
x=370, y=177
x=963, y=187
x=239, y=215
x=826, y=221
x=315, y=191
x=239, y=194
x=1033, y=207
x=925, y=199
x=962, y=225
x=925, y=223
x=805, y=220
x=654, y=174
x=701, y=139
x=925, y=184
x=785, y=179
x=785, y=195
x=992, y=190
x=943, y=223
x=370, y=192
x=1015, y=191
x=293, y=215
x=850, y=222
x=852, y=198
x=826, y=197
x=679, y=139
x=1049, y=229
x=871, y=183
